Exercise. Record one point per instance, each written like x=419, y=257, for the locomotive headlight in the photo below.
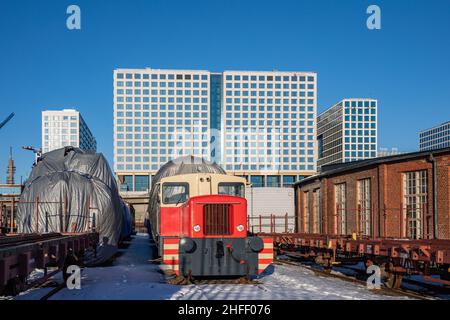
x=240, y=228
x=197, y=228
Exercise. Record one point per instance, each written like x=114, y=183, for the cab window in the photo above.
x=175, y=193
x=232, y=189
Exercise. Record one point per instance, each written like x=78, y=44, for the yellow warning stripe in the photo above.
x=170, y=257
x=268, y=245
x=171, y=246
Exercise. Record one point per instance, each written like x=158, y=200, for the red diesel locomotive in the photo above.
x=198, y=219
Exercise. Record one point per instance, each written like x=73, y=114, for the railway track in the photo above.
x=17, y=240
x=54, y=291
x=383, y=290
x=428, y=289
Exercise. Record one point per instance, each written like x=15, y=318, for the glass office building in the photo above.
x=159, y=115
x=435, y=138
x=66, y=127
x=268, y=126
x=260, y=125
x=347, y=132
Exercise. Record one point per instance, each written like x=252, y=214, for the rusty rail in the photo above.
x=21, y=254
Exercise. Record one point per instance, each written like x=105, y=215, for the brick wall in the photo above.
x=387, y=202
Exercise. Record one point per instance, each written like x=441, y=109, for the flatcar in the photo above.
x=199, y=222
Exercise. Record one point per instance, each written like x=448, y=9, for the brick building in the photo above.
x=396, y=196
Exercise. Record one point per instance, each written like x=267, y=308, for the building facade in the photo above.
x=406, y=196
x=61, y=128
x=269, y=127
x=159, y=115
x=347, y=131
x=260, y=125
x=435, y=138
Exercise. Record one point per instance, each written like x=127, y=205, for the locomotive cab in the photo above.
x=203, y=227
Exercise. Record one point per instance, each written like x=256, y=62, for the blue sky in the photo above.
x=43, y=65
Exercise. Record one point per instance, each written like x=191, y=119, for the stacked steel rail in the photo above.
x=396, y=257
x=21, y=254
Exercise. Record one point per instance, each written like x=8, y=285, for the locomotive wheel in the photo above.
x=181, y=281
x=244, y=280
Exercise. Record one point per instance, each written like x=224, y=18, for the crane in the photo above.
x=6, y=120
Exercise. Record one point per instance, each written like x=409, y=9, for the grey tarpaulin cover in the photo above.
x=183, y=165
x=75, y=190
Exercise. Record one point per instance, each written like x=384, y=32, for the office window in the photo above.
x=273, y=181
x=141, y=183
x=127, y=184
x=288, y=181
x=257, y=181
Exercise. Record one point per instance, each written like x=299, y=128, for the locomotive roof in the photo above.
x=188, y=164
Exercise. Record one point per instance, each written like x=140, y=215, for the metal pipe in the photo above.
x=88, y=210
x=432, y=159
x=94, y=224
x=251, y=193
x=66, y=214
x=401, y=220
x=286, y=223
x=36, y=214
x=1, y=217
x=12, y=216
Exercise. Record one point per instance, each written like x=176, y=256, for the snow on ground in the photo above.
x=133, y=276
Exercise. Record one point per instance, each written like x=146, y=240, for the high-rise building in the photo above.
x=159, y=115
x=61, y=128
x=256, y=124
x=268, y=125
x=347, y=131
x=435, y=138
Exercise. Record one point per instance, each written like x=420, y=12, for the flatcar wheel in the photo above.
x=15, y=286
x=394, y=280
x=71, y=259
